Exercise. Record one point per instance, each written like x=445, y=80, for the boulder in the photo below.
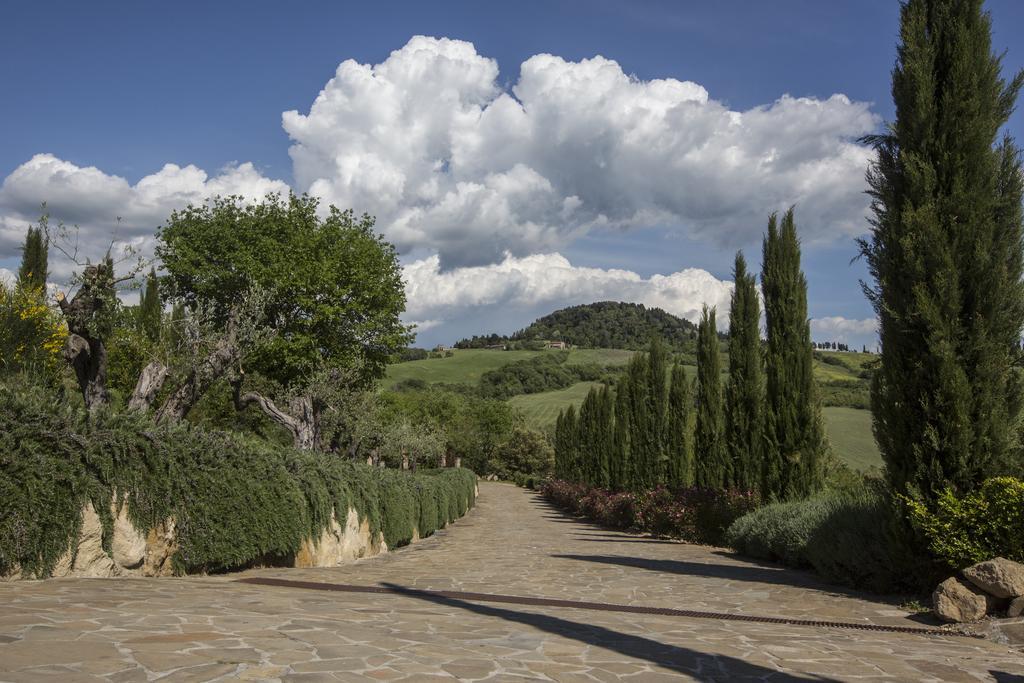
x=998, y=577
x=1016, y=607
x=957, y=601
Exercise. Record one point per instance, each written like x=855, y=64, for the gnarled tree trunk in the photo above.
x=84, y=350
x=225, y=354
x=151, y=380
x=302, y=420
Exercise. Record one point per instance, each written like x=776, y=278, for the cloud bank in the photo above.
x=452, y=163
x=479, y=185
x=549, y=280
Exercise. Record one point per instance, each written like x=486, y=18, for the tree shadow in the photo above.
x=1003, y=677
x=701, y=665
x=597, y=538
x=728, y=572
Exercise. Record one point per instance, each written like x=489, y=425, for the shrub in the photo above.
x=527, y=452
x=236, y=500
x=693, y=514
x=979, y=526
x=852, y=537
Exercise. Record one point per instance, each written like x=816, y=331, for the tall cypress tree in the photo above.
x=560, y=446
x=32, y=272
x=679, y=425
x=150, y=308
x=711, y=459
x=589, y=437
x=640, y=475
x=570, y=425
x=605, y=439
x=619, y=465
x=744, y=392
x=945, y=256
x=793, y=433
x=657, y=399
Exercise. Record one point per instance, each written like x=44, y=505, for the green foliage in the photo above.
x=601, y=325
x=335, y=287
x=946, y=258
x=526, y=452
x=851, y=537
x=987, y=523
x=32, y=333
x=255, y=506
x=744, y=392
x=150, y=312
x=467, y=426
x=536, y=375
x=679, y=430
x=712, y=468
x=794, y=445
x=32, y=272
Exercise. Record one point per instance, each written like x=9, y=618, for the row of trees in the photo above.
x=761, y=430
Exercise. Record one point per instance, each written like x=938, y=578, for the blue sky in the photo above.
x=127, y=88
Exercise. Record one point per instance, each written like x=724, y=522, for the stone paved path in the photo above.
x=213, y=628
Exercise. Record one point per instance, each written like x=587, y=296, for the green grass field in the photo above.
x=541, y=410
x=849, y=430
x=467, y=365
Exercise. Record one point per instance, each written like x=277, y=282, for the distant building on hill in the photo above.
x=557, y=345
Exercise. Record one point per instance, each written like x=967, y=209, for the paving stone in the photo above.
x=205, y=628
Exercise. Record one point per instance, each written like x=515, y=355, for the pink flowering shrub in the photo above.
x=691, y=514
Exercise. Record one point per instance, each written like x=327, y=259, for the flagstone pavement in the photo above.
x=512, y=543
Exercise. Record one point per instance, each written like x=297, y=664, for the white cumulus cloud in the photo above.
x=840, y=329
x=452, y=163
x=93, y=200
x=551, y=281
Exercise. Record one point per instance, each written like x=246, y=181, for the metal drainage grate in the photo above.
x=600, y=606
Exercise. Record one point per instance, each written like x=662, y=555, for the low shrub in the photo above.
x=979, y=526
x=236, y=500
x=852, y=537
x=693, y=514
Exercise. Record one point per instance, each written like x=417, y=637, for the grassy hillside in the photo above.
x=849, y=430
x=467, y=365
x=541, y=410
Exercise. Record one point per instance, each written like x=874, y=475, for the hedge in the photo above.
x=236, y=500
x=856, y=538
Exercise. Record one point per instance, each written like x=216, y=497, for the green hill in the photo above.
x=601, y=325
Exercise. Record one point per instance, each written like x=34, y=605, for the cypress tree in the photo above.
x=619, y=465
x=945, y=256
x=744, y=392
x=571, y=427
x=588, y=428
x=711, y=459
x=679, y=437
x=793, y=433
x=32, y=272
x=640, y=475
x=657, y=409
x=559, y=445
x=150, y=309
x=605, y=439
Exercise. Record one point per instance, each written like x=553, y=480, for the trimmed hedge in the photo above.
x=855, y=538
x=236, y=500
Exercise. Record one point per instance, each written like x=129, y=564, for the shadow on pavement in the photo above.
x=729, y=572
x=702, y=665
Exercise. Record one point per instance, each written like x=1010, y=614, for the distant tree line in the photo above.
x=761, y=430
